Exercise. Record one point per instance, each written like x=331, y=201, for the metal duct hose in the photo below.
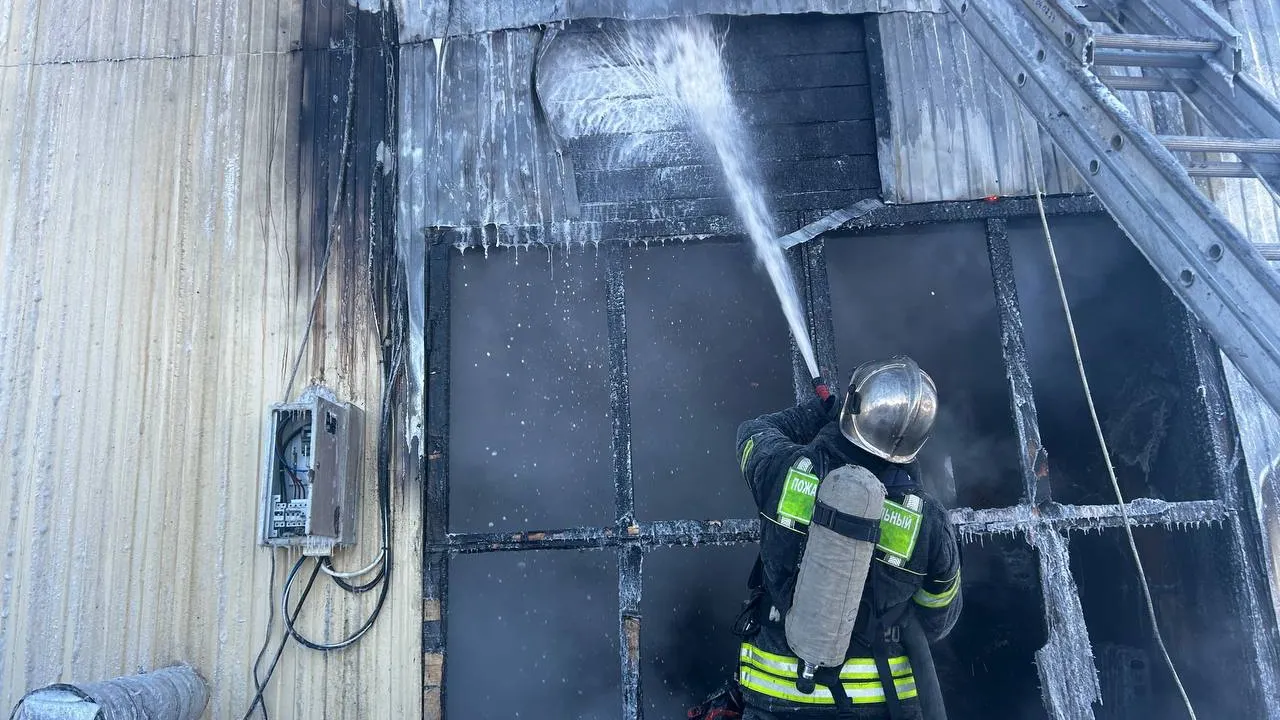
x=833, y=571
x=172, y=693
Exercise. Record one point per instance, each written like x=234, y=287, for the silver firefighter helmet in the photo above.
x=890, y=408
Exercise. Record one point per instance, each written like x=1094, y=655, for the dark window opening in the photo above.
x=927, y=292
x=691, y=598
x=707, y=348
x=986, y=665
x=1125, y=320
x=1194, y=599
x=533, y=635
x=529, y=408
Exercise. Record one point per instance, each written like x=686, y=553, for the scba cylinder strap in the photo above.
x=850, y=526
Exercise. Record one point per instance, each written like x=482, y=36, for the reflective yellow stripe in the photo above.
x=853, y=669
x=776, y=664
x=746, y=452
x=940, y=600
x=861, y=693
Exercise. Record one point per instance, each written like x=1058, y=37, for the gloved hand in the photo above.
x=830, y=399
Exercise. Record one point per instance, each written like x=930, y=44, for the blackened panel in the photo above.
x=1190, y=584
x=926, y=291
x=687, y=649
x=529, y=395
x=1122, y=317
x=708, y=348
x=801, y=85
x=986, y=665
x=533, y=635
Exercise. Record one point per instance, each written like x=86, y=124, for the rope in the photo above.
x=1035, y=172
x=1106, y=453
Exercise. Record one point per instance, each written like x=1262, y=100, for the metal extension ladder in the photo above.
x=1047, y=50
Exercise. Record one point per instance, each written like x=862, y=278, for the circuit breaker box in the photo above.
x=310, y=474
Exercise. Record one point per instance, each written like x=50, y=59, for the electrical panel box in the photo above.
x=311, y=474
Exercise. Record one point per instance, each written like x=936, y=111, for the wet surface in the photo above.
x=927, y=291
x=533, y=635
x=529, y=409
x=708, y=348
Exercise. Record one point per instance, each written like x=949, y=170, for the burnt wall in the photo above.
x=801, y=84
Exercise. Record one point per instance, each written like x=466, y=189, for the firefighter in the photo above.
x=913, y=582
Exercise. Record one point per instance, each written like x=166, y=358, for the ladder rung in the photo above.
x=1187, y=143
x=1139, y=58
x=1155, y=43
x=1270, y=251
x=1147, y=84
x=1220, y=169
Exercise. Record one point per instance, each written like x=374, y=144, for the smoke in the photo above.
x=534, y=636
x=691, y=599
x=529, y=406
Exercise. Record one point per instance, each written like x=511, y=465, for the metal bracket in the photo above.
x=1196, y=250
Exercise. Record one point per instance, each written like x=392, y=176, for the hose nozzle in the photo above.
x=821, y=388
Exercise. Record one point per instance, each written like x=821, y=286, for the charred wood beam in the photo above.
x=1032, y=458
x=1068, y=677
x=630, y=557
x=630, y=560
x=972, y=523
x=435, y=566
x=619, y=385
x=969, y=523
x=1243, y=557
x=667, y=533
x=646, y=231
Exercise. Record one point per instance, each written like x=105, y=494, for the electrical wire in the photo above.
x=262, y=686
x=259, y=684
x=327, y=567
x=1106, y=454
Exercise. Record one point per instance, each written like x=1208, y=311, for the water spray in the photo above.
x=682, y=61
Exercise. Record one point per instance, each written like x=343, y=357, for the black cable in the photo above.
x=350, y=639
x=383, y=579
x=260, y=685
x=356, y=589
x=284, y=640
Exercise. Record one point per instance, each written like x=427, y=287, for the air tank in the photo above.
x=833, y=570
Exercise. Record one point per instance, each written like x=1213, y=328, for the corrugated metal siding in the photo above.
x=151, y=255
x=1247, y=202
x=474, y=149
x=425, y=19
x=1252, y=207
x=955, y=127
x=54, y=31
x=956, y=130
